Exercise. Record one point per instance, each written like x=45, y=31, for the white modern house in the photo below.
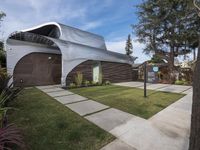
x=52, y=53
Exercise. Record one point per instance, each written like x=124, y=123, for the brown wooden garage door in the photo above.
x=38, y=69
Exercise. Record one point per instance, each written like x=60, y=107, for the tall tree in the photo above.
x=2, y=52
x=168, y=28
x=129, y=46
x=195, y=121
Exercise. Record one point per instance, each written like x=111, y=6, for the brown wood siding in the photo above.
x=116, y=72
x=112, y=71
x=38, y=69
x=85, y=68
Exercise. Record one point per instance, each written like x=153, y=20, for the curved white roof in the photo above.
x=74, y=35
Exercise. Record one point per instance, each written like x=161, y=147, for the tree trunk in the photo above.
x=171, y=64
x=195, y=120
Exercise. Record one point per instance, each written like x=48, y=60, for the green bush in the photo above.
x=179, y=82
x=72, y=85
x=93, y=83
x=4, y=79
x=107, y=82
x=86, y=83
x=79, y=79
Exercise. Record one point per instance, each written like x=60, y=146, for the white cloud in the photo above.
x=91, y=25
x=119, y=46
x=27, y=13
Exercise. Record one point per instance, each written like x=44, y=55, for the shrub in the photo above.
x=179, y=82
x=72, y=85
x=7, y=95
x=86, y=83
x=107, y=83
x=93, y=83
x=79, y=79
x=9, y=136
x=2, y=58
x=4, y=79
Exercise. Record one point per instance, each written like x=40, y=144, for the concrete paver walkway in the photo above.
x=110, y=118
x=86, y=107
x=167, y=130
x=67, y=99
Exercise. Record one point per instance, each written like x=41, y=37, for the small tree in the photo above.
x=79, y=79
x=129, y=46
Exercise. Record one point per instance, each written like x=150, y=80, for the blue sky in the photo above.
x=110, y=18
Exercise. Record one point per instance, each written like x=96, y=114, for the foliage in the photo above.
x=129, y=46
x=93, y=83
x=4, y=79
x=179, y=82
x=72, y=85
x=168, y=28
x=2, y=59
x=79, y=79
x=2, y=52
x=107, y=82
x=2, y=15
x=168, y=25
x=2, y=56
x=86, y=83
x=156, y=59
x=7, y=95
x=9, y=136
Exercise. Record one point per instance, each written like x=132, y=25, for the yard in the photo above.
x=130, y=100
x=49, y=125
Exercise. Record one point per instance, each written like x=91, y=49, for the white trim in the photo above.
x=42, y=25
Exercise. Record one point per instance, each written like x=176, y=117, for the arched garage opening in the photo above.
x=38, y=69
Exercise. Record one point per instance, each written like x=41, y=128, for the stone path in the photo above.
x=167, y=130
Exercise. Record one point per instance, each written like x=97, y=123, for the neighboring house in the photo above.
x=52, y=53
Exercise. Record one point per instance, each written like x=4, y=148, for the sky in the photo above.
x=111, y=19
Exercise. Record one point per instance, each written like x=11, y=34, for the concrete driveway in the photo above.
x=159, y=87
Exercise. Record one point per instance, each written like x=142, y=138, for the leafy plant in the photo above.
x=179, y=82
x=93, y=83
x=72, y=85
x=4, y=79
x=10, y=136
x=79, y=79
x=86, y=83
x=3, y=117
x=107, y=82
x=7, y=95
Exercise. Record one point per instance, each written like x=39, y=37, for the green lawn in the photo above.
x=49, y=125
x=130, y=99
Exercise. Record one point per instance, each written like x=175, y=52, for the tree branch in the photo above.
x=196, y=5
